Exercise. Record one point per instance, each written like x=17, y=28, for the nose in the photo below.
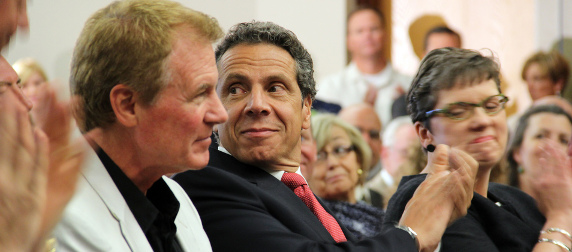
x=257, y=103
x=216, y=113
x=480, y=119
x=365, y=136
x=23, y=22
x=332, y=160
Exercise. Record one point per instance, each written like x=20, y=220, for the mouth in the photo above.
x=258, y=132
x=482, y=139
x=208, y=138
x=334, y=178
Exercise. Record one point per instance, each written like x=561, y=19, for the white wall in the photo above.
x=547, y=18
x=56, y=24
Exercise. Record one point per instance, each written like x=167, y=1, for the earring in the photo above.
x=430, y=148
x=520, y=170
x=359, y=171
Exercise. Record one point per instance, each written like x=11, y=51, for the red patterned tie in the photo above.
x=297, y=184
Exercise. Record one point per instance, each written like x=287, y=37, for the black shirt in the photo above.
x=155, y=212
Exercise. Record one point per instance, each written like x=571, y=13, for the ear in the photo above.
x=424, y=134
x=516, y=155
x=306, y=112
x=384, y=152
x=123, y=100
x=559, y=86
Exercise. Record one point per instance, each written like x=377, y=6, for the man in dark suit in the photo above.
x=266, y=85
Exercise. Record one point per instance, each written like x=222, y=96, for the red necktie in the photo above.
x=297, y=184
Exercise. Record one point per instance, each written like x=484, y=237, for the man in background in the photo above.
x=439, y=37
x=363, y=117
x=369, y=77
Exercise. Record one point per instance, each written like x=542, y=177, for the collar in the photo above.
x=276, y=174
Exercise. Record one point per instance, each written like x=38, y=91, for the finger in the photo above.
x=41, y=160
x=553, y=158
x=463, y=162
x=438, y=160
x=8, y=139
x=25, y=147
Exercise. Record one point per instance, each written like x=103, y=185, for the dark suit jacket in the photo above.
x=244, y=208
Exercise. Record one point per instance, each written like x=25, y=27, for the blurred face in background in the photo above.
x=539, y=82
x=541, y=127
x=10, y=92
x=394, y=156
x=34, y=88
x=335, y=173
x=365, y=119
x=365, y=34
x=309, y=153
x=441, y=40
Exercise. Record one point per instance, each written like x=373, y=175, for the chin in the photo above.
x=198, y=161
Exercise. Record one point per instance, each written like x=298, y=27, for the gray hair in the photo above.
x=443, y=69
x=267, y=32
x=391, y=129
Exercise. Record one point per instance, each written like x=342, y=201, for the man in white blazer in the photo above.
x=144, y=73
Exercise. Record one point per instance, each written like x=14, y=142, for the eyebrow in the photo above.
x=242, y=77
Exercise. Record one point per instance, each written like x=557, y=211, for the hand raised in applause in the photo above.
x=23, y=178
x=443, y=197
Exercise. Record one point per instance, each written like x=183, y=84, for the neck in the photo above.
x=117, y=144
x=370, y=64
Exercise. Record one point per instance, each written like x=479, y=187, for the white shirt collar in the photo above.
x=276, y=174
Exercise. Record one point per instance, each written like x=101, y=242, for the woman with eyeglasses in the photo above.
x=342, y=163
x=455, y=100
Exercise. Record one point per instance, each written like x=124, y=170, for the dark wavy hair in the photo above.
x=443, y=69
x=267, y=32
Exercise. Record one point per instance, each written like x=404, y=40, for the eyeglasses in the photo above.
x=463, y=110
x=373, y=134
x=338, y=152
x=5, y=85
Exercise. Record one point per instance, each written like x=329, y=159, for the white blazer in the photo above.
x=98, y=219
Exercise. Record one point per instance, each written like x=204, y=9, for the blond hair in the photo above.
x=321, y=128
x=26, y=67
x=129, y=42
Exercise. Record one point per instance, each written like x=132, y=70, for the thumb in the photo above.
x=438, y=160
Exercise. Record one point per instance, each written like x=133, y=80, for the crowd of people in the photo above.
x=182, y=146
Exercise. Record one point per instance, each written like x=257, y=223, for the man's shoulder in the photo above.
x=88, y=224
x=399, y=78
x=339, y=79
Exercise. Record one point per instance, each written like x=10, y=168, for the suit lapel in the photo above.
x=98, y=178
x=288, y=201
